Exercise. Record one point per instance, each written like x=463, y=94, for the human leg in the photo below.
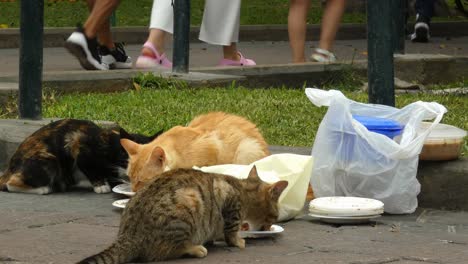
x=83, y=42
x=232, y=57
x=103, y=31
x=161, y=23
x=220, y=26
x=331, y=19
x=297, y=28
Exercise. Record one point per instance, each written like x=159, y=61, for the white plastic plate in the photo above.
x=120, y=203
x=344, y=219
x=345, y=206
x=275, y=229
x=124, y=188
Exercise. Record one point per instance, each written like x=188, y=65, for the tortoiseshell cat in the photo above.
x=57, y=155
x=182, y=209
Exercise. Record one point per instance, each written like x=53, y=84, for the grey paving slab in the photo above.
x=63, y=228
x=264, y=52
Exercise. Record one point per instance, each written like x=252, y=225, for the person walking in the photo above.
x=220, y=26
x=297, y=29
x=424, y=12
x=92, y=43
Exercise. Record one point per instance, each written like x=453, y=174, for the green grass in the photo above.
x=284, y=115
x=137, y=13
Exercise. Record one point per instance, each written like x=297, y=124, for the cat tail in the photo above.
x=117, y=253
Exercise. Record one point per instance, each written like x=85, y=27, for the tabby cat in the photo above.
x=210, y=139
x=181, y=210
x=56, y=156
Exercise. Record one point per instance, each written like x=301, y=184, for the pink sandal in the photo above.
x=242, y=62
x=155, y=61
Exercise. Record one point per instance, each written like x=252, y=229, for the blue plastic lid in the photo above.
x=388, y=127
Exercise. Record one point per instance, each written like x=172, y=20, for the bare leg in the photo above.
x=99, y=17
x=230, y=52
x=105, y=35
x=297, y=28
x=331, y=19
x=158, y=38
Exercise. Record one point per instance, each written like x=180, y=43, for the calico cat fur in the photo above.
x=181, y=210
x=210, y=139
x=54, y=158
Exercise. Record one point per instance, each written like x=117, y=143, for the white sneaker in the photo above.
x=421, y=32
x=116, y=58
x=321, y=55
x=85, y=50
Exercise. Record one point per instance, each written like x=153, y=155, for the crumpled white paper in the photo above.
x=296, y=169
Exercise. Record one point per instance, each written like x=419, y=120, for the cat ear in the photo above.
x=158, y=156
x=156, y=135
x=253, y=175
x=276, y=189
x=125, y=134
x=129, y=146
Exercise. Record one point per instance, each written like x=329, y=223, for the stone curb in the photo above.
x=55, y=37
x=443, y=184
x=421, y=68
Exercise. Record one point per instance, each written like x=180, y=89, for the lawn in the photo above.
x=284, y=115
x=65, y=13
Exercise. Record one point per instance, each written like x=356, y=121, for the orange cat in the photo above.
x=210, y=139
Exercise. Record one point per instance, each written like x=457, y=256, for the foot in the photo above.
x=421, y=30
x=242, y=61
x=321, y=55
x=85, y=50
x=235, y=240
x=151, y=58
x=116, y=58
x=197, y=251
x=421, y=33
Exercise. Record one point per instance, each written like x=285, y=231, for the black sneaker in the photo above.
x=116, y=58
x=421, y=30
x=85, y=50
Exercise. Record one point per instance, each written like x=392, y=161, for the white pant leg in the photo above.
x=220, y=25
x=162, y=15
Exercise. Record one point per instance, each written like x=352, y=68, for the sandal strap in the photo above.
x=150, y=46
x=325, y=53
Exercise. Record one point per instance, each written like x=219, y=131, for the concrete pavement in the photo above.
x=264, y=52
x=64, y=228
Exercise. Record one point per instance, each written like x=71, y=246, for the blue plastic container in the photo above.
x=384, y=126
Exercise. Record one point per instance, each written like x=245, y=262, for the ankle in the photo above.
x=232, y=56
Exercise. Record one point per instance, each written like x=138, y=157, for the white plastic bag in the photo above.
x=295, y=169
x=352, y=161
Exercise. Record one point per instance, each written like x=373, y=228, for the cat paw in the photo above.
x=43, y=190
x=40, y=190
x=240, y=243
x=102, y=189
x=198, y=251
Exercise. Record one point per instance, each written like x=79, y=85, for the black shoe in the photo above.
x=116, y=58
x=85, y=50
x=421, y=30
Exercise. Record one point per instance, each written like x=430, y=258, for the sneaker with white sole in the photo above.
x=321, y=55
x=116, y=58
x=85, y=50
x=421, y=32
